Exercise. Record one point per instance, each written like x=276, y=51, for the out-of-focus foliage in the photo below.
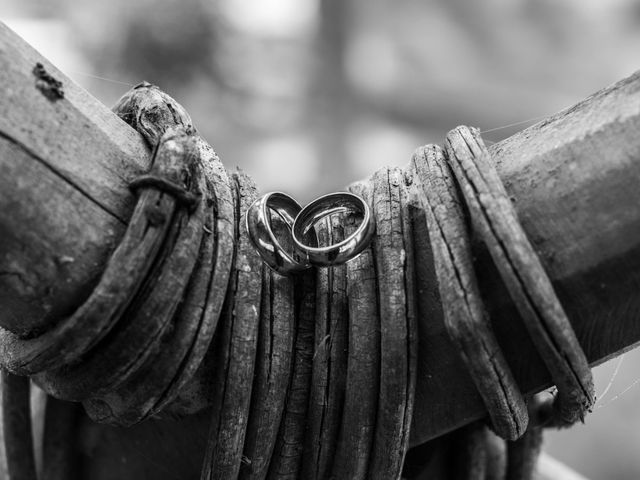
x=308, y=95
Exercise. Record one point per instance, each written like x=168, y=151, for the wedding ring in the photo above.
x=340, y=252
x=258, y=225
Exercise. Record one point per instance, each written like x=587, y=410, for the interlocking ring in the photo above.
x=258, y=224
x=305, y=251
x=340, y=252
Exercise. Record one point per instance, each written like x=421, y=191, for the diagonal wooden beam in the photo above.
x=65, y=163
x=574, y=180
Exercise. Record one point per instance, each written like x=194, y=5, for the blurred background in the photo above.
x=309, y=95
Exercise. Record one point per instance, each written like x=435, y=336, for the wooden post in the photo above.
x=65, y=163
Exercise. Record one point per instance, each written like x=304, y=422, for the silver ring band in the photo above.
x=340, y=252
x=258, y=225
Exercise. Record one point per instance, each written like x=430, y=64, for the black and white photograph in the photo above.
x=319, y=240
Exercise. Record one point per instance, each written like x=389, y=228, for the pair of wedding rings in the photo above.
x=299, y=232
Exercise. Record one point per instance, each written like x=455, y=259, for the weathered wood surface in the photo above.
x=65, y=164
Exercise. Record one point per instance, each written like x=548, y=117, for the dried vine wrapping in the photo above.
x=126, y=271
x=314, y=377
x=328, y=381
x=355, y=442
x=464, y=314
x=496, y=221
x=130, y=344
x=238, y=345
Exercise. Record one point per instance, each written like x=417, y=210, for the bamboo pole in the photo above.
x=65, y=163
